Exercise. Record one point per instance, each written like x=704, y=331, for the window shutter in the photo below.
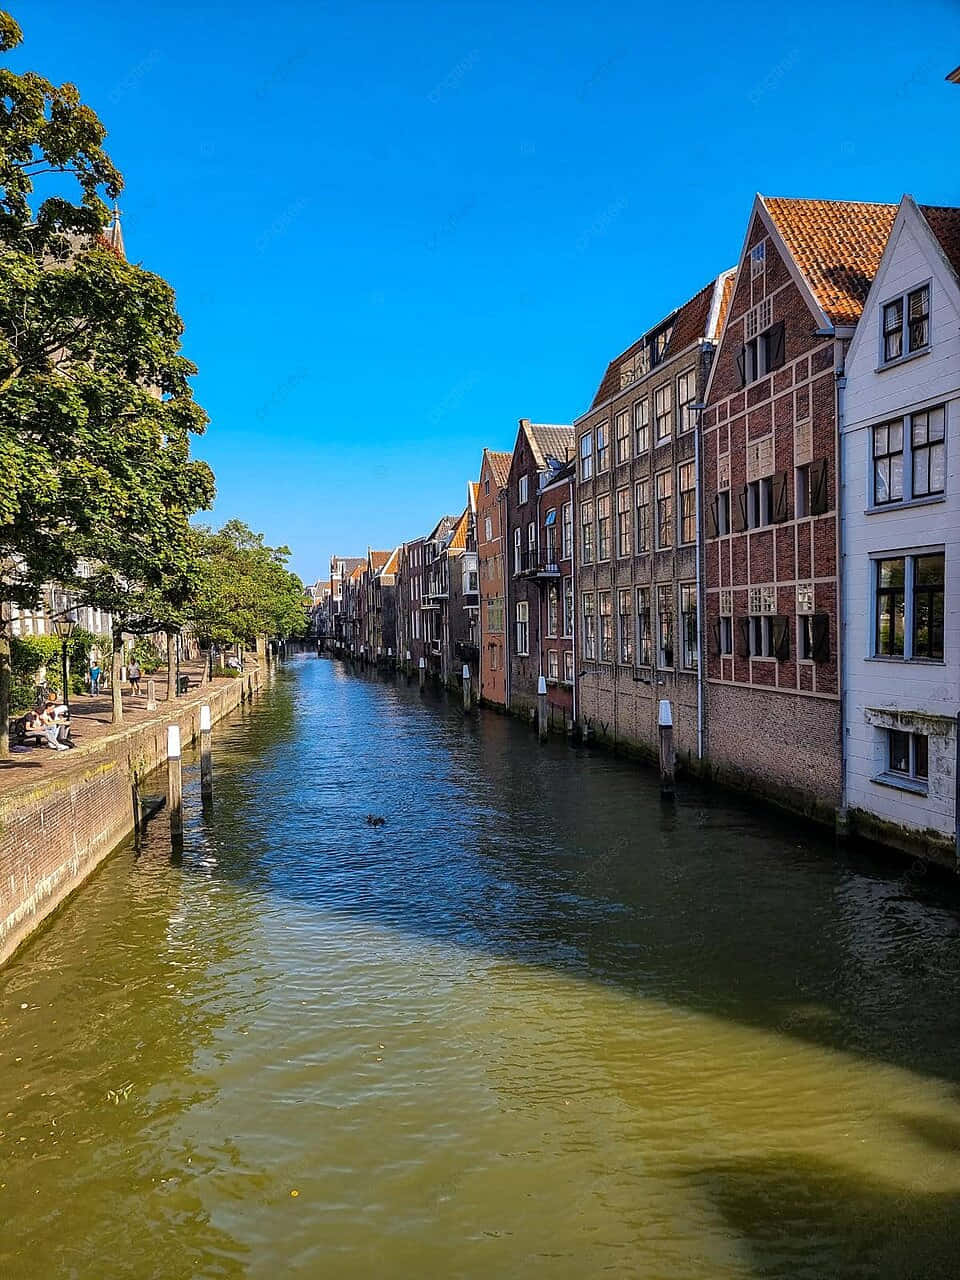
x=781, y=497
x=740, y=511
x=743, y=637
x=742, y=365
x=717, y=649
x=818, y=487
x=712, y=526
x=820, y=637
x=780, y=627
x=776, y=354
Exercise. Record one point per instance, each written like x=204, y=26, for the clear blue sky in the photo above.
x=395, y=228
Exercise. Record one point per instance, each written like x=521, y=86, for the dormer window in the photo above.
x=757, y=260
x=906, y=324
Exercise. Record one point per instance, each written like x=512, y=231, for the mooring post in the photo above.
x=363, y=656
x=667, y=760
x=542, y=708
x=423, y=673
x=175, y=783
x=467, y=691
x=206, y=763
x=151, y=695
x=390, y=665
x=408, y=666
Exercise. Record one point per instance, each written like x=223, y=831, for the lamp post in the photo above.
x=65, y=625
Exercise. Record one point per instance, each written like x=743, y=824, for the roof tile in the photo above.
x=945, y=225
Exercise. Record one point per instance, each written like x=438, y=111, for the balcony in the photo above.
x=537, y=564
x=468, y=652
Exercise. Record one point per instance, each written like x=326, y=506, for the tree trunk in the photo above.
x=4, y=696
x=116, y=692
x=171, y=665
x=261, y=651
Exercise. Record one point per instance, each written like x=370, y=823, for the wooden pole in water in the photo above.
x=175, y=783
x=542, y=708
x=206, y=763
x=408, y=666
x=423, y=673
x=667, y=758
x=467, y=692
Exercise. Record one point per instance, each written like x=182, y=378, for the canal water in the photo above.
x=535, y=1024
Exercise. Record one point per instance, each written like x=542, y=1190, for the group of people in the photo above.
x=134, y=674
x=51, y=721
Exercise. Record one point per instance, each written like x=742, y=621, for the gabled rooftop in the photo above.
x=499, y=466
x=548, y=442
x=945, y=225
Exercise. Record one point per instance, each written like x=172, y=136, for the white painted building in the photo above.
x=900, y=538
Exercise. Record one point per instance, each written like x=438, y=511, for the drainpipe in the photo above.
x=700, y=610
x=841, y=596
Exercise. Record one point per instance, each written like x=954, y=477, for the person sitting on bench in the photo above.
x=44, y=725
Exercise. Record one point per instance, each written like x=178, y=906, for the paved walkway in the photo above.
x=90, y=719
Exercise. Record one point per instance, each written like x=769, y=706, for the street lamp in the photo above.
x=65, y=625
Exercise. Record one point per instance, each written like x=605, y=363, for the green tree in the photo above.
x=96, y=408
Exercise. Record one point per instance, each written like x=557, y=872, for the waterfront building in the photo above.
x=341, y=567
x=770, y=495
x=554, y=578
x=434, y=601
x=901, y=540
x=409, y=596
x=637, y=532
x=491, y=495
x=381, y=612
x=540, y=453
x=460, y=607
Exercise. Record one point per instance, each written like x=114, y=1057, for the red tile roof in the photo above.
x=499, y=466
x=837, y=245
x=549, y=441
x=378, y=559
x=945, y=225
x=458, y=541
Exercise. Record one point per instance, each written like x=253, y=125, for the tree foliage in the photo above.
x=246, y=590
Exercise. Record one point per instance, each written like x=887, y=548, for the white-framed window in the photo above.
x=588, y=612
x=760, y=503
x=758, y=260
x=643, y=515
x=532, y=544
x=664, y=483
x=625, y=624
x=586, y=456
x=906, y=757
x=641, y=426
x=523, y=489
x=663, y=412
x=686, y=399
x=566, y=540
x=723, y=627
x=516, y=550
x=603, y=449
x=550, y=537
x=908, y=593
x=622, y=436
x=523, y=628
x=763, y=347
x=568, y=666
x=905, y=324
x=687, y=489
x=586, y=533
x=624, y=540
x=603, y=527
x=664, y=626
x=909, y=457
x=688, y=626
x=487, y=529
x=553, y=664
x=605, y=613
x=568, y=607
x=553, y=609
x=644, y=647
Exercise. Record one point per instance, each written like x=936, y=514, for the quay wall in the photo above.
x=55, y=831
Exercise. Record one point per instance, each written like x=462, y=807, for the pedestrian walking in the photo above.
x=94, y=672
x=133, y=675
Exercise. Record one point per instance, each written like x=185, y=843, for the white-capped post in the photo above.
x=151, y=695
x=667, y=756
x=423, y=673
x=175, y=783
x=542, y=708
x=408, y=665
x=206, y=762
x=467, y=691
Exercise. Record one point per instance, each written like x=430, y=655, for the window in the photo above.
x=553, y=665
x=550, y=537
x=888, y=462
x=532, y=544
x=586, y=533
x=643, y=515
x=603, y=451
x=586, y=456
x=623, y=523
x=523, y=628
x=763, y=349
x=686, y=484
x=641, y=426
x=625, y=620
x=471, y=586
x=664, y=510
x=760, y=503
x=688, y=625
x=663, y=412
x=553, y=609
x=802, y=492
x=686, y=398
x=928, y=587
x=905, y=324
x=523, y=489
x=495, y=615
x=589, y=629
x=659, y=343
x=757, y=260
x=908, y=755
x=516, y=550
x=723, y=627
x=909, y=457
x=664, y=627
x=568, y=606
x=486, y=487
x=721, y=511
x=623, y=436
x=643, y=627
x=566, y=545
x=603, y=527
x=891, y=602
x=927, y=452
x=760, y=636
x=605, y=610
x=568, y=666
x=488, y=529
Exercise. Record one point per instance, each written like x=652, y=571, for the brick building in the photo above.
x=541, y=451
x=491, y=494
x=409, y=596
x=460, y=612
x=770, y=496
x=340, y=569
x=380, y=585
x=434, y=600
x=637, y=532
x=554, y=576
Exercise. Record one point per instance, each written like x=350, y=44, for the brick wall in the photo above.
x=54, y=833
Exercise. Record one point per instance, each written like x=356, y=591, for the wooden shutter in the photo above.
x=712, y=523
x=780, y=627
x=820, y=637
x=819, y=501
x=742, y=365
x=781, y=497
x=717, y=647
x=740, y=510
x=743, y=637
x=775, y=346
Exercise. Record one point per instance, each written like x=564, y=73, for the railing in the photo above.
x=533, y=563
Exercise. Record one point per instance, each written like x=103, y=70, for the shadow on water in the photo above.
x=557, y=856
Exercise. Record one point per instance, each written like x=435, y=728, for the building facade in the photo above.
x=491, y=495
x=410, y=630
x=554, y=577
x=770, y=497
x=638, y=536
x=901, y=540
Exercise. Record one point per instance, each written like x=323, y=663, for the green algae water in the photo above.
x=536, y=1024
